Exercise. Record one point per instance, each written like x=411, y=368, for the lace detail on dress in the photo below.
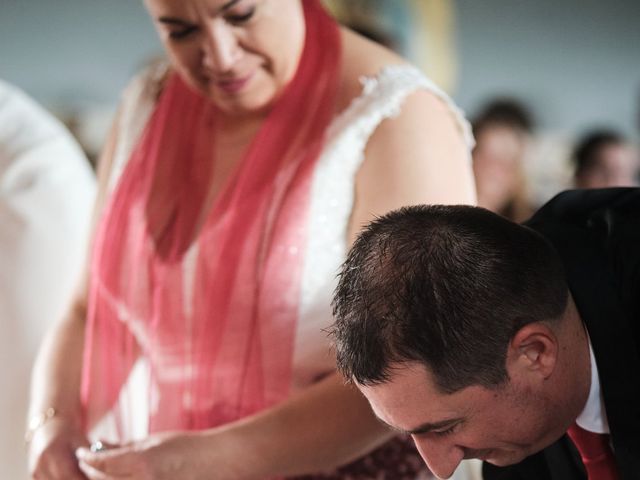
x=332, y=199
x=382, y=97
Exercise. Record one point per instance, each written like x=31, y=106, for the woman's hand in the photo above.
x=51, y=451
x=166, y=456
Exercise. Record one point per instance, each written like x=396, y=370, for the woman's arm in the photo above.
x=55, y=385
x=55, y=382
x=327, y=425
x=418, y=157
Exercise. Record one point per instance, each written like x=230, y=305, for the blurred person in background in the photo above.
x=232, y=184
x=46, y=194
x=604, y=158
x=503, y=132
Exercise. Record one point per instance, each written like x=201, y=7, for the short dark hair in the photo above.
x=504, y=111
x=588, y=149
x=444, y=286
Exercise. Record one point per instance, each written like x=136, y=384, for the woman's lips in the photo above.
x=233, y=85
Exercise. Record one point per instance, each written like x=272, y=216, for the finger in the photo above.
x=61, y=469
x=93, y=474
x=118, y=462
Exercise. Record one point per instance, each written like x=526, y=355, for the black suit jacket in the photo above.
x=597, y=234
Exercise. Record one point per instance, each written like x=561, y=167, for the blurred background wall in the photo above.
x=576, y=63
x=73, y=52
x=75, y=56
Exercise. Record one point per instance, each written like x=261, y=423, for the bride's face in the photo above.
x=239, y=53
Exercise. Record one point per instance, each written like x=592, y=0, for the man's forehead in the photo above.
x=408, y=399
x=411, y=402
x=410, y=376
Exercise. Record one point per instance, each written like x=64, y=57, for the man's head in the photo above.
x=603, y=159
x=457, y=326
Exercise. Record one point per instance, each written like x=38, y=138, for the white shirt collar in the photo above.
x=594, y=416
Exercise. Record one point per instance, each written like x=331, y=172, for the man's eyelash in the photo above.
x=448, y=431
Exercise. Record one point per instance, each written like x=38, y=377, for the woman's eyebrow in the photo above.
x=180, y=22
x=227, y=6
x=173, y=21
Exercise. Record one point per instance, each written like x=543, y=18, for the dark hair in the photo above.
x=444, y=286
x=588, y=149
x=504, y=111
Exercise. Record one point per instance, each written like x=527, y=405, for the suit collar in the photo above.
x=594, y=290
x=593, y=417
x=580, y=224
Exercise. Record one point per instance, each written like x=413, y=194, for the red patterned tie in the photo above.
x=596, y=453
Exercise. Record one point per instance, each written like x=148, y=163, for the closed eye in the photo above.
x=240, y=19
x=183, y=33
x=444, y=433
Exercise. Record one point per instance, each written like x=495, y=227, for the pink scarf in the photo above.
x=209, y=299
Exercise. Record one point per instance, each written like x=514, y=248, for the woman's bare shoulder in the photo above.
x=150, y=80
x=362, y=58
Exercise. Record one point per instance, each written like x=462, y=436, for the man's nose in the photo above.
x=221, y=48
x=441, y=456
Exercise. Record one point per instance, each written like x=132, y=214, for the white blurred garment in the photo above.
x=47, y=191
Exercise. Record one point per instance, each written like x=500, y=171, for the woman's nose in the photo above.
x=442, y=457
x=221, y=49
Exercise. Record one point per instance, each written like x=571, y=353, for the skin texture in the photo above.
x=241, y=54
x=549, y=378
x=422, y=158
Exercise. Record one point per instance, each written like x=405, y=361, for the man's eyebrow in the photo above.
x=181, y=22
x=425, y=427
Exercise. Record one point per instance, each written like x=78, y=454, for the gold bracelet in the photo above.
x=38, y=421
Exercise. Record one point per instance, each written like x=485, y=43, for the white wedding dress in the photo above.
x=332, y=199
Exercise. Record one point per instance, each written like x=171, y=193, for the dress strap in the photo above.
x=382, y=97
x=138, y=102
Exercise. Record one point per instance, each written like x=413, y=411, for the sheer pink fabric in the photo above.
x=207, y=295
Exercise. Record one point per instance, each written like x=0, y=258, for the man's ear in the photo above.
x=533, y=350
